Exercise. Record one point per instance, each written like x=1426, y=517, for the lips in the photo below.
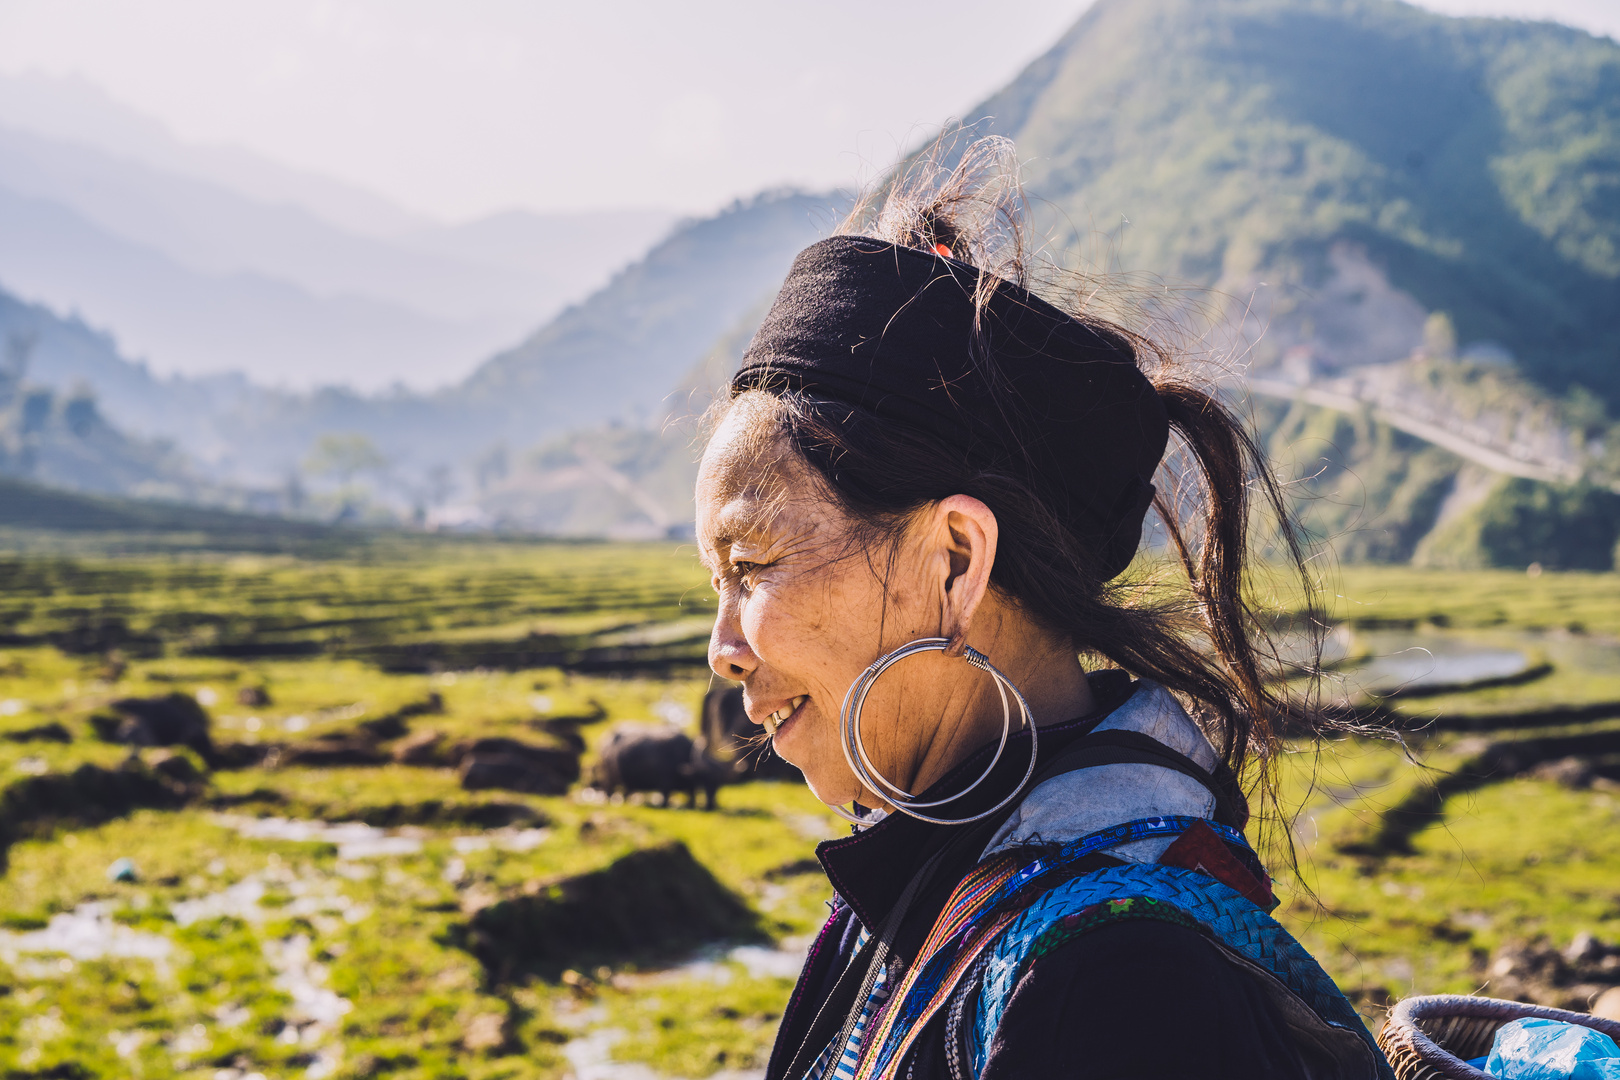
x=784, y=714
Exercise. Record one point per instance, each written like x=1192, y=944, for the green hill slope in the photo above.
x=620, y=354
x=1474, y=162
x=49, y=520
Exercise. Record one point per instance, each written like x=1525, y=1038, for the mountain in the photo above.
x=1401, y=229
x=617, y=480
x=204, y=323
x=63, y=440
x=618, y=355
x=1402, y=226
x=1471, y=165
x=108, y=214
x=73, y=110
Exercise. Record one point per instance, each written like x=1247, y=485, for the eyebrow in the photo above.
x=739, y=518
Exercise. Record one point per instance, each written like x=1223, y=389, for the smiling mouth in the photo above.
x=784, y=714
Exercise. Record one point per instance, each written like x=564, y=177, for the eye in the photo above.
x=745, y=573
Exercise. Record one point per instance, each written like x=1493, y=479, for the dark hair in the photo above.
x=1204, y=640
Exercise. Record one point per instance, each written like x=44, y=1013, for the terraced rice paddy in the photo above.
x=314, y=893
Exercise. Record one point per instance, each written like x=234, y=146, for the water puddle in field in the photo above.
x=88, y=932
x=1384, y=663
x=1406, y=662
x=1361, y=666
x=357, y=840
x=317, y=1011
x=591, y=1053
x=592, y=1059
x=714, y=965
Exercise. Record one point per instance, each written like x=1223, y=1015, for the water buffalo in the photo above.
x=734, y=739
x=661, y=758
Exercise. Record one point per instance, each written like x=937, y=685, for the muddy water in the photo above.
x=1404, y=661
x=1385, y=662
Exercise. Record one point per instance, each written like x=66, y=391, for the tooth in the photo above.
x=776, y=718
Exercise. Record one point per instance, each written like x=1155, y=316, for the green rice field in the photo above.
x=312, y=891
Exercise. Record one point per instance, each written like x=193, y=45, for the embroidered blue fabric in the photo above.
x=1233, y=920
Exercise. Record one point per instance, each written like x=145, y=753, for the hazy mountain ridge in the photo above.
x=626, y=482
x=617, y=357
x=108, y=206
x=74, y=110
x=66, y=354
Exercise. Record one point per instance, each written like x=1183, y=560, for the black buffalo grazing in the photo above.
x=661, y=758
x=736, y=740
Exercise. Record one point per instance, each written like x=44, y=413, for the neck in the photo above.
x=1047, y=672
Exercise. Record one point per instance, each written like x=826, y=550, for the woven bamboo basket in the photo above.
x=1426, y=1038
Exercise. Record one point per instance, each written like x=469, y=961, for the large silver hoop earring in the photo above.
x=849, y=730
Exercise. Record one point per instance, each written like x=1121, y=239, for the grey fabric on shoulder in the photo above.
x=1074, y=804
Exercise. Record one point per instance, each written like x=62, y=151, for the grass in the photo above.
x=1511, y=862
x=420, y=605
x=1374, y=596
x=261, y=932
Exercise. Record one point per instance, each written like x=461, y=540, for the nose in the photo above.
x=730, y=656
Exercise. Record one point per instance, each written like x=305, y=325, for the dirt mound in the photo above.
x=338, y=748
x=393, y=725
x=650, y=906
x=89, y=795
x=1571, y=978
x=537, y=770
x=168, y=720
x=502, y=763
x=253, y=696
x=359, y=745
x=52, y=732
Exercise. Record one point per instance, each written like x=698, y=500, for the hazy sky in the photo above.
x=462, y=107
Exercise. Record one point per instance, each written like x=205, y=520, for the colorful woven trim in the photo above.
x=1088, y=919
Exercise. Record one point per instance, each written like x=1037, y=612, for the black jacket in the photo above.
x=1142, y=999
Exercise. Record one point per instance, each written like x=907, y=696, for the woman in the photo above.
x=917, y=503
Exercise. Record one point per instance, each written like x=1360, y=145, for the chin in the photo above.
x=834, y=790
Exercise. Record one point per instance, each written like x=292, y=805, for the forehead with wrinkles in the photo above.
x=749, y=476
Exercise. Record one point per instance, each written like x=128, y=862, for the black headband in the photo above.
x=891, y=329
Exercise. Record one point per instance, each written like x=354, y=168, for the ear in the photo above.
x=966, y=532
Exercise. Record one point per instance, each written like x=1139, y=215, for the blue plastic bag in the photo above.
x=1537, y=1049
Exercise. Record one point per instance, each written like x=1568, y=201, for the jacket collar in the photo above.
x=871, y=869
x=1075, y=804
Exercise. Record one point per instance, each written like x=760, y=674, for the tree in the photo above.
x=344, y=457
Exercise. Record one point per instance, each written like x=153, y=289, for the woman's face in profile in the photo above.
x=803, y=611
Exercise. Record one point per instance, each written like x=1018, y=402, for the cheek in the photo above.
x=782, y=623
x=801, y=625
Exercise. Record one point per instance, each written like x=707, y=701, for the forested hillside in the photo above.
x=1475, y=162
